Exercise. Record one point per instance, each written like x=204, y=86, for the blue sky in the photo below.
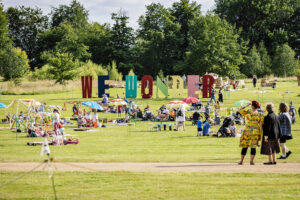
x=100, y=10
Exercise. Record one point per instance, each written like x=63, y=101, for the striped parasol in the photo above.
x=117, y=102
x=177, y=104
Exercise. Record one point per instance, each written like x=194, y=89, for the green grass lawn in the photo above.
x=137, y=144
x=128, y=185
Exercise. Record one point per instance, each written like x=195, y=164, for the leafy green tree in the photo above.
x=97, y=38
x=274, y=22
x=62, y=66
x=14, y=64
x=265, y=59
x=25, y=24
x=4, y=36
x=215, y=47
x=254, y=64
x=156, y=40
x=75, y=14
x=184, y=12
x=121, y=41
x=284, y=62
x=73, y=43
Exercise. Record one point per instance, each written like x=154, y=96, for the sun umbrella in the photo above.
x=3, y=106
x=58, y=107
x=176, y=104
x=92, y=104
x=241, y=103
x=117, y=102
x=190, y=100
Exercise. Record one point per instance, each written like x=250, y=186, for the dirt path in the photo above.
x=156, y=167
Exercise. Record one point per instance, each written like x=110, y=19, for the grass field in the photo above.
x=137, y=144
x=127, y=185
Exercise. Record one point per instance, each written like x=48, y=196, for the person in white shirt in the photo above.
x=180, y=117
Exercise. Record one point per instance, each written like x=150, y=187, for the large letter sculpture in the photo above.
x=86, y=85
x=177, y=87
x=148, y=79
x=193, y=85
x=207, y=84
x=131, y=87
x=163, y=87
x=101, y=85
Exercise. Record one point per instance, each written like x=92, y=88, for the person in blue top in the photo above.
x=299, y=111
x=199, y=126
x=206, y=127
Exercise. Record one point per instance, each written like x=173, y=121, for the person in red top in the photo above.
x=119, y=108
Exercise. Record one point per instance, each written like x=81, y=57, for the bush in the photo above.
x=91, y=69
x=113, y=73
x=41, y=74
x=131, y=73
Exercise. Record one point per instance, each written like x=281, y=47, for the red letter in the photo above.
x=150, y=86
x=86, y=85
x=207, y=84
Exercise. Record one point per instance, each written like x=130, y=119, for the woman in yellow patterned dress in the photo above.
x=252, y=131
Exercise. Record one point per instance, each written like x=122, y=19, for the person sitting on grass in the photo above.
x=199, y=126
x=232, y=128
x=206, y=127
x=217, y=119
x=207, y=110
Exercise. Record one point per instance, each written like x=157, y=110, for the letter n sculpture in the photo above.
x=86, y=85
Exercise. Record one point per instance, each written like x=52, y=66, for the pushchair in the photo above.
x=238, y=119
x=224, y=130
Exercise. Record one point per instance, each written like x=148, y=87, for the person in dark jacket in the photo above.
x=271, y=135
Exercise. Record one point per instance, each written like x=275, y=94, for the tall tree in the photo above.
x=157, y=37
x=253, y=65
x=25, y=24
x=215, y=47
x=184, y=12
x=265, y=59
x=97, y=38
x=284, y=62
x=264, y=20
x=121, y=40
x=75, y=14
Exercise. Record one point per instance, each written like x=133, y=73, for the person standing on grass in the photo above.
x=271, y=135
x=254, y=81
x=292, y=111
x=286, y=129
x=199, y=126
x=213, y=92
x=252, y=131
x=220, y=99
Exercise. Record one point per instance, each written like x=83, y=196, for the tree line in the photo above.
x=239, y=37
